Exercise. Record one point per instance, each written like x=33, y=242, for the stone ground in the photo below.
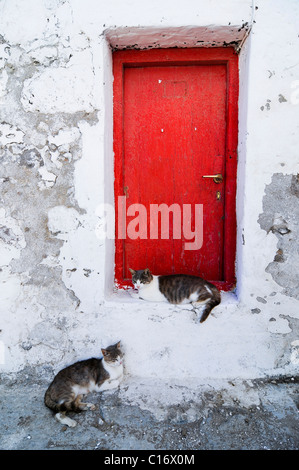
x=154, y=415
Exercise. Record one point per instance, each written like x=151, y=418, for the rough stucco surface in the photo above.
x=56, y=302
x=47, y=95
x=280, y=216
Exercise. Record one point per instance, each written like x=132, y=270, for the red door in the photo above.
x=175, y=128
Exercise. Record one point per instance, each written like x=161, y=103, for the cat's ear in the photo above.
x=118, y=345
x=132, y=271
x=147, y=271
x=104, y=352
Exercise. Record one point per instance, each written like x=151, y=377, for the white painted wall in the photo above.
x=56, y=97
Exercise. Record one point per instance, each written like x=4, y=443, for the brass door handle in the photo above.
x=216, y=178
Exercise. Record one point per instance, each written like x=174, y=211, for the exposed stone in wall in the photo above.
x=280, y=216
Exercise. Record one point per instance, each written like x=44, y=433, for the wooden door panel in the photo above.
x=174, y=130
x=174, y=125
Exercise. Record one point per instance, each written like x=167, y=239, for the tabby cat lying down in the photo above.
x=71, y=383
x=176, y=289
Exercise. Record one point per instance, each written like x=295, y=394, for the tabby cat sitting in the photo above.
x=176, y=289
x=71, y=383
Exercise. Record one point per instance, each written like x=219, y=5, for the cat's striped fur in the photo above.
x=71, y=383
x=176, y=289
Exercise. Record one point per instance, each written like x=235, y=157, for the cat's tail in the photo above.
x=212, y=302
x=67, y=404
x=50, y=402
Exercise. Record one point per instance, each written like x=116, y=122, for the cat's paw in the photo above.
x=134, y=294
x=91, y=406
x=112, y=384
x=87, y=406
x=71, y=423
x=65, y=420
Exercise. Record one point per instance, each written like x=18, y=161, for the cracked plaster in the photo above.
x=43, y=101
x=280, y=216
x=56, y=168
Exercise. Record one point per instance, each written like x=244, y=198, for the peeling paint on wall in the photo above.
x=34, y=178
x=280, y=216
x=56, y=140
x=43, y=103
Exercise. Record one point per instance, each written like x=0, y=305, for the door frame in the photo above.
x=194, y=56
